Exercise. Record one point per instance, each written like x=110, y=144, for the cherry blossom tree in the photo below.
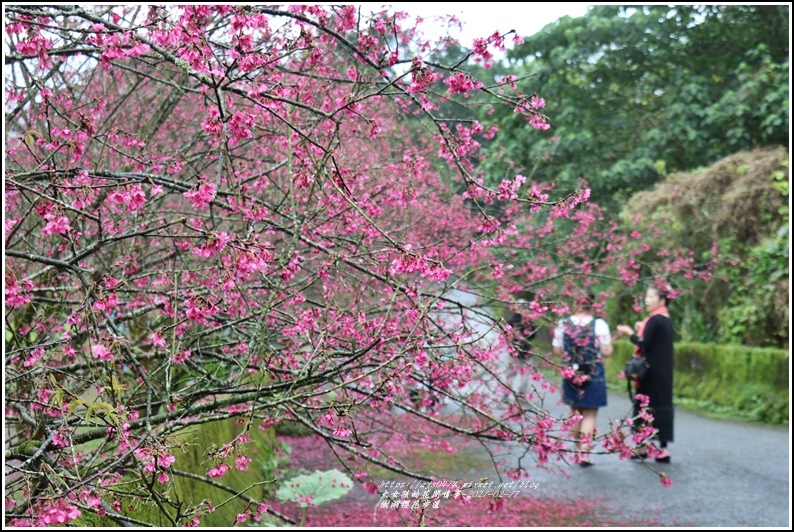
x=255, y=213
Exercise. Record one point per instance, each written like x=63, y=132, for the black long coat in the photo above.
x=656, y=345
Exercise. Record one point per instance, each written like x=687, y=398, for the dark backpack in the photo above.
x=579, y=344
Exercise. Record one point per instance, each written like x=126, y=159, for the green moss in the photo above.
x=193, y=457
x=211, y=436
x=733, y=381
x=91, y=520
x=288, y=427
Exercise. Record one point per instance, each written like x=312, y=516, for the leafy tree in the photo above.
x=637, y=92
x=235, y=213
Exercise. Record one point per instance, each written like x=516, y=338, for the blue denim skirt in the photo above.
x=593, y=394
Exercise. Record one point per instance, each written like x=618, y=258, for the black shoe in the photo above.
x=663, y=459
x=585, y=463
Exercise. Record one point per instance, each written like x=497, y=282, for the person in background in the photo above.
x=587, y=398
x=522, y=334
x=654, y=341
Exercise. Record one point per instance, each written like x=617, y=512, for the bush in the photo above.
x=749, y=383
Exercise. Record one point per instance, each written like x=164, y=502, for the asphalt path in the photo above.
x=724, y=473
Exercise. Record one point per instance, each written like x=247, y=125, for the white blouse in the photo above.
x=603, y=336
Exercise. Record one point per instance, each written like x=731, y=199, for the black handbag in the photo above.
x=636, y=369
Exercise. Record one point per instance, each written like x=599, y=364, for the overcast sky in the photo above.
x=481, y=19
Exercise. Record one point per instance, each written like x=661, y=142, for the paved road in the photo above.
x=725, y=474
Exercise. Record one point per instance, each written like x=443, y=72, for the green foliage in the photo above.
x=637, y=92
x=735, y=205
x=757, y=312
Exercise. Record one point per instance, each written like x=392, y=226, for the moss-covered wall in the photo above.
x=751, y=382
x=193, y=458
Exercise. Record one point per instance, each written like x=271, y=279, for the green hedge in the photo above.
x=750, y=383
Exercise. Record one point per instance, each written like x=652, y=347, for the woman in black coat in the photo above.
x=654, y=341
